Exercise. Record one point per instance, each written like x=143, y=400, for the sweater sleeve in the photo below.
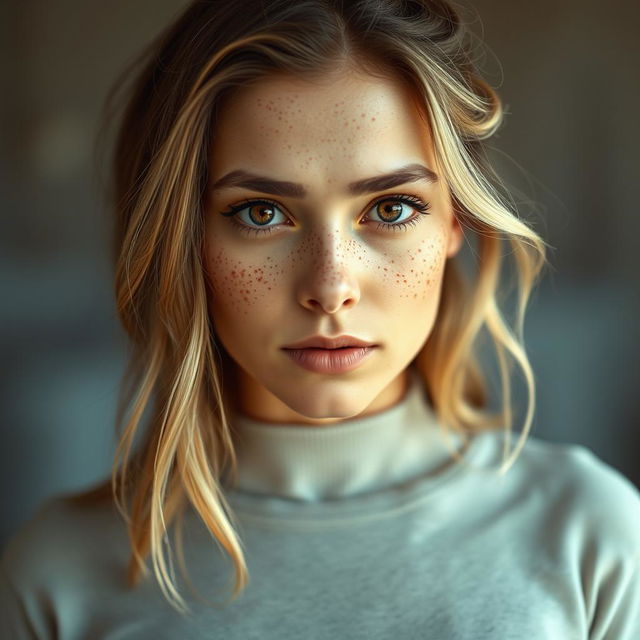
x=618, y=608
x=14, y=619
x=610, y=560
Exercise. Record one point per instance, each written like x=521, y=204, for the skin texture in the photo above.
x=328, y=266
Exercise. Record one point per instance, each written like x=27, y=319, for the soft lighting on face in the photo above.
x=325, y=216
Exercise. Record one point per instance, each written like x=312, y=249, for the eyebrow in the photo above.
x=410, y=173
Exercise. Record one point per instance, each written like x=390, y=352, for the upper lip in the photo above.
x=324, y=342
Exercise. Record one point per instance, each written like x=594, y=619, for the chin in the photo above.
x=327, y=406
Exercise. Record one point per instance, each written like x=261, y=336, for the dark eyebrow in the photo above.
x=240, y=178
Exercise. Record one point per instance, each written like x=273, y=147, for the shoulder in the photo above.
x=593, y=499
x=584, y=477
x=66, y=533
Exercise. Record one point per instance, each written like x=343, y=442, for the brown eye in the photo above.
x=389, y=210
x=254, y=216
x=261, y=213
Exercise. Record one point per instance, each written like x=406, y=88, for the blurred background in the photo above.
x=568, y=74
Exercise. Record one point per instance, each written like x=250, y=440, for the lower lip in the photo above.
x=330, y=360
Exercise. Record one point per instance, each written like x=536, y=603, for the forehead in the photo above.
x=292, y=126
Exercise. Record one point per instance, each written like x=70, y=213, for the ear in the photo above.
x=456, y=237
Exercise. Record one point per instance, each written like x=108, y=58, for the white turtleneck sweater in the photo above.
x=365, y=529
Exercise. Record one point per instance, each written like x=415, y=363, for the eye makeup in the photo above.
x=412, y=201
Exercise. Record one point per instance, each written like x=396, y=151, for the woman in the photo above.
x=304, y=409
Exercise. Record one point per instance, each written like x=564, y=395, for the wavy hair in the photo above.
x=172, y=406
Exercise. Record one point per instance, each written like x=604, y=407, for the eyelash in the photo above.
x=412, y=201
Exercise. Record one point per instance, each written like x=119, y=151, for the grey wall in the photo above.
x=568, y=74
x=569, y=79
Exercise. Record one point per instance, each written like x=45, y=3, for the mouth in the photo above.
x=330, y=343
x=330, y=360
x=353, y=346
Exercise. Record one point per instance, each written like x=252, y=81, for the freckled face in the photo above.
x=322, y=259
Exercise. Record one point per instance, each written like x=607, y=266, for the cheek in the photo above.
x=240, y=287
x=237, y=285
x=413, y=275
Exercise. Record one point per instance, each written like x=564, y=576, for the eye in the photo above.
x=259, y=212
x=389, y=209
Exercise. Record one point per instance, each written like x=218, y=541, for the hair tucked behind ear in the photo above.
x=174, y=403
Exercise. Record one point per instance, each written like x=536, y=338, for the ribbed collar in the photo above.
x=360, y=455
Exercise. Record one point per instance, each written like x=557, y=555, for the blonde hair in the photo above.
x=175, y=370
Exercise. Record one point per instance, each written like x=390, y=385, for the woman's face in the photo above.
x=326, y=251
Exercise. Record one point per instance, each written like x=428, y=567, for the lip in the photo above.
x=326, y=342
x=340, y=360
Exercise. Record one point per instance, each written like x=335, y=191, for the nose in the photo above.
x=329, y=278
